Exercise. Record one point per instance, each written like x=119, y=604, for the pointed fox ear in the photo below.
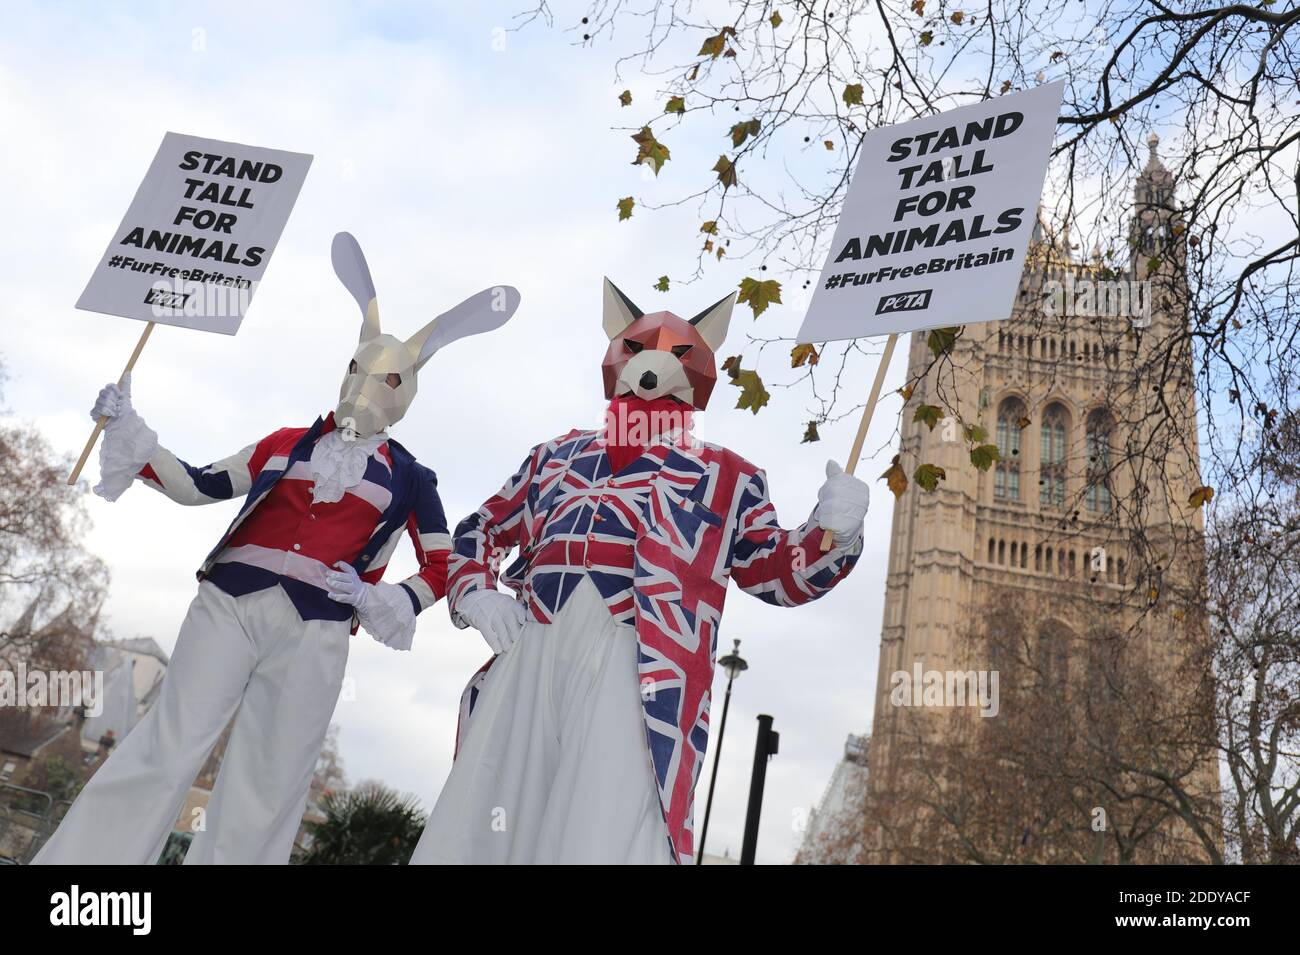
x=350, y=266
x=619, y=312
x=713, y=321
x=489, y=309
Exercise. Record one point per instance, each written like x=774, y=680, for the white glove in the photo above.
x=347, y=587
x=499, y=617
x=384, y=609
x=842, y=505
x=128, y=444
x=113, y=403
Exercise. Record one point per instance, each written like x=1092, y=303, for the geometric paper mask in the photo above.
x=381, y=379
x=660, y=354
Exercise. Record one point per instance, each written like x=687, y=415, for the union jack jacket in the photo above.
x=366, y=524
x=660, y=540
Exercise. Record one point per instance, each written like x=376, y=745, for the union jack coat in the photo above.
x=660, y=540
x=397, y=493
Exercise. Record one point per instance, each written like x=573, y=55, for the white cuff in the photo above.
x=388, y=616
x=128, y=445
x=453, y=606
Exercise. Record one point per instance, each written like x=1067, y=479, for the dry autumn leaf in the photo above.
x=726, y=171
x=941, y=340
x=650, y=151
x=896, y=478
x=752, y=393
x=742, y=131
x=714, y=45
x=802, y=355
x=759, y=295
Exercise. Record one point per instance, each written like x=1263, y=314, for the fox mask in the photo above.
x=381, y=379
x=661, y=355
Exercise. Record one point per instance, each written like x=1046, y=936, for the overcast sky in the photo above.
x=458, y=164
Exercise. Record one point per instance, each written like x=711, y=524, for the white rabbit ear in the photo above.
x=618, y=312
x=489, y=309
x=350, y=266
x=713, y=321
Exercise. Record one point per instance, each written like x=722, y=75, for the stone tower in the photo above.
x=1087, y=515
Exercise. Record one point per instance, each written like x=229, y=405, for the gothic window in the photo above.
x=1006, y=477
x=1099, y=427
x=1052, y=454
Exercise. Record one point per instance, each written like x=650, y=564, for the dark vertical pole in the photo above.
x=764, y=748
x=713, y=777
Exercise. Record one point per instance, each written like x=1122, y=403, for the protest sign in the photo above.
x=936, y=221
x=198, y=235
x=934, y=227
x=195, y=240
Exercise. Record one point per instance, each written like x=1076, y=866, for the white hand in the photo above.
x=346, y=587
x=842, y=504
x=112, y=401
x=499, y=617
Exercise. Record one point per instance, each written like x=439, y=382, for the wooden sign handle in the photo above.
x=851, y=465
x=99, y=425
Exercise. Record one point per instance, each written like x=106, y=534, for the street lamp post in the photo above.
x=734, y=665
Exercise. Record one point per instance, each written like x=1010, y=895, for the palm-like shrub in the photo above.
x=369, y=825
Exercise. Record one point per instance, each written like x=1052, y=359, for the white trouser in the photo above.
x=553, y=765
x=252, y=655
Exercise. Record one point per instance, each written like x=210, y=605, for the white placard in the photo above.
x=937, y=219
x=198, y=234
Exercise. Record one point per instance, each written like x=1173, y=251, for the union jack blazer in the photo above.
x=410, y=502
x=660, y=540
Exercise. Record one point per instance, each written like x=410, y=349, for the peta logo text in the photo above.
x=904, y=302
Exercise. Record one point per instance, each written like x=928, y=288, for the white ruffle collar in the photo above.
x=338, y=464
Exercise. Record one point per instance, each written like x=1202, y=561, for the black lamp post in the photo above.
x=734, y=665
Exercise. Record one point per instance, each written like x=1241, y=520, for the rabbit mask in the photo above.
x=381, y=379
